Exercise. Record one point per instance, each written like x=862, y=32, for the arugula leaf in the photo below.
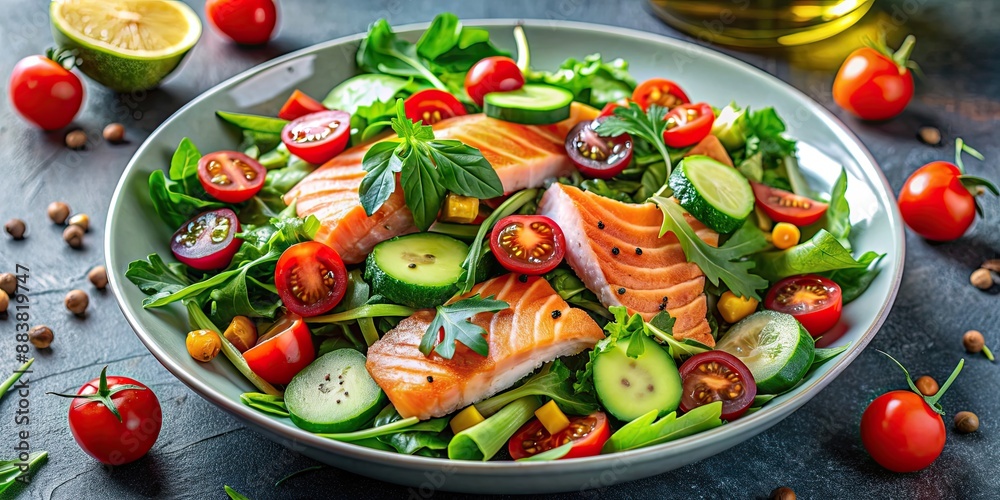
x=453, y=320
x=854, y=281
x=661, y=327
x=611, y=189
x=819, y=254
x=450, y=47
x=366, y=90
x=717, y=263
x=11, y=472
x=591, y=80
x=647, y=431
x=157, y=279
x=266, y=403
x=648, y=125
x=553, y=381
x=254, y=123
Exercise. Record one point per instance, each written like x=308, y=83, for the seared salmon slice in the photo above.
x=616, y=250
x=523, y=157
x=521, y=338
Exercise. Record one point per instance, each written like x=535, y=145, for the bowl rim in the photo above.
x=766, y=417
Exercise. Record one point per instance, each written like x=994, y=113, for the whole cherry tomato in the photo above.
x=116, y=420
x=874, y=83
x=492, y=74
x=937, y=201
x=903, y=430
x=44, y=92
x=249, y=22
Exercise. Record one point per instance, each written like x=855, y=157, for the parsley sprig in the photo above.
x=648, y=125
x=428, y=169
x=453, y=320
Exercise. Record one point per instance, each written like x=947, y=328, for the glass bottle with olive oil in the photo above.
x=761, y=23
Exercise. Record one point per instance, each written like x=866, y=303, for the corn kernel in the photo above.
x=733, y=308
x=465, y=419
x=552, y=418
x=785, y=235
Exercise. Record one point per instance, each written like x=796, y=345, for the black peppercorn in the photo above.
x=614, y=251
x=556, y=314
x=638, y=251
x=621, y=291
x=600, y=224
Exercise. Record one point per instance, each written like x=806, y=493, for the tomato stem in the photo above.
x=933, y=400
x=902, y=55
x=103, y=394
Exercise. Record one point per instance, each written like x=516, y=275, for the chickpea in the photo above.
x=927, y=385
x=981, y=278
x=15, y=228
x=966, y=422
x=81, y=220
x=58, y=212
x=77, y=302
x=242, y=333
x=8, y=283
x=73, y=236
x=930, y=135
x=76, y=139
x=114, y=133
x=783, y=493
x=99, y=277
x=4, y=302
x=41, y=336
x=203, y=345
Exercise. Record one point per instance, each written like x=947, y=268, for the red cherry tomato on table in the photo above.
x=248, y=22
x=298, y=105
x=588, y=435
x=492, y=74
x=688, y=124
x=208, y=241
x=783, y=206
x=283, y=351
x=874, y=83
x=311, y=278
x=116, y=420
x=717, y=376
x=528, y=244
x=595, y=155
x=45, y=93
x=937, y=201
x=230, y=176
x=432, y=105
x=813, y=300
x=659, y=91
x=318, y=137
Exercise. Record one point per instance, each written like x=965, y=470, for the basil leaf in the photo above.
x=464, y=170
x=647, y=431
x=255, y=123
x=364, y=91
x=382, y=164
x=424, y=189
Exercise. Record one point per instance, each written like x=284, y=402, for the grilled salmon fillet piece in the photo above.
x=523, y=157
x=521, y=338
x=616, y=250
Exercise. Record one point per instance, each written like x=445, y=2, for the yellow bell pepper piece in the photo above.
x=733, y=308
x=459, y=209
x=552, y=418
x=785, y=235
x=465, y=419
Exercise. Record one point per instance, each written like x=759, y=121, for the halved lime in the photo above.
x=125, y=45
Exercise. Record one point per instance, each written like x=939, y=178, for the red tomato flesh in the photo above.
x=598, y=156
x=311, y=278
x=298, y=105
x=813, y=300
x=102, y=436
x=208, y=241
x=283, y=351
x=432, y=105
x=588, y=435
x=248, y=22
x=609, y=108
x=318, y=137
x=44, y=92
x=784, y=206
x=935, y=203
x=659, y=91
x=688, y=124
x=230, y=176
x=717, y=376
x=528, y=244
x=492, y=74
x=901, y=432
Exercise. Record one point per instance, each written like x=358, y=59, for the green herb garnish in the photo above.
x=453, y=320
x=648, y=125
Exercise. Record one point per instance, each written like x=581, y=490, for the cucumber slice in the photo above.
x=716, y=194
x=334, y=394
x=530, y=105
x=630, y=387
x=776, y=348
x=417, y=270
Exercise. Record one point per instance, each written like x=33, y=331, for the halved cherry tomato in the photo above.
x=208, y=241
x=44, y=92
x=659, y=91
x=813, y=300
x=783, y=206
x=298, y=105
x=717, y=376
x=609, y=108
x=874, y=83
x=688, y=124
x=231, y=176
x=492, y=74
x=588, y=435
x=311, y=278
x=596, y=155
x=283, y=351
x=318, y=137
x=528, y=244
x=432, y=105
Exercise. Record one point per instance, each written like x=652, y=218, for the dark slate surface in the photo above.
x=816, y=451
